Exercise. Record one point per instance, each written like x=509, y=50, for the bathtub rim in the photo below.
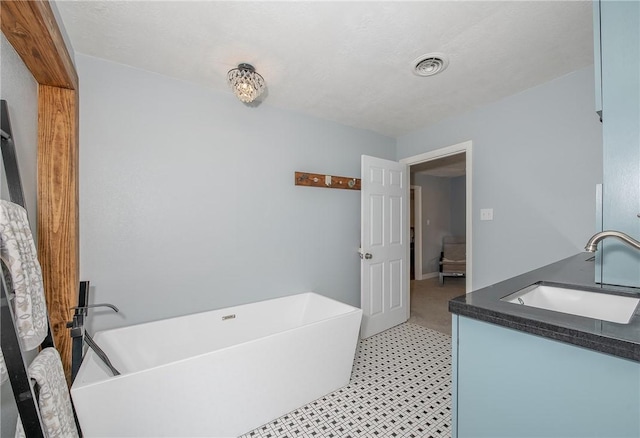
x=91, y=354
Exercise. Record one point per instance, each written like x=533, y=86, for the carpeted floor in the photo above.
x=430, y=302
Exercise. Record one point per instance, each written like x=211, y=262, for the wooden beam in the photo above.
x=32, y=30
x=58, y=216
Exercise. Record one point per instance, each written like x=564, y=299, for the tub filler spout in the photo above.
x=80, y=336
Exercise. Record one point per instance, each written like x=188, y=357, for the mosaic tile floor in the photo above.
x=400, y=387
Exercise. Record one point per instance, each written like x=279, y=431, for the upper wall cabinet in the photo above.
x=619, y=49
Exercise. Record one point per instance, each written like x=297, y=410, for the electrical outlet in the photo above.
x=486, y=214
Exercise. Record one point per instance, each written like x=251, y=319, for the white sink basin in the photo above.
x=614, y=308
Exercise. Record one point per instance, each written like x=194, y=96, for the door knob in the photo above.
x=367, y=256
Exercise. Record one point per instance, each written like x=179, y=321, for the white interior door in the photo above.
x=384, y=269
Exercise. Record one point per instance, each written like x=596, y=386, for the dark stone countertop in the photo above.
x=621, y=340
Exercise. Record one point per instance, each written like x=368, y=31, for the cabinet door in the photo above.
x=513, y=384
x=620, y=51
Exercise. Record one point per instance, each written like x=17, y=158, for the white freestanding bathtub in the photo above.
x=216, y=374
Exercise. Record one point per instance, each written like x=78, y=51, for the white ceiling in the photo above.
x=350, y=62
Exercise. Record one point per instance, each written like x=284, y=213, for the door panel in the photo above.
x=375, y=291
x=377, y=230
x=395, y=283
x=396, y=227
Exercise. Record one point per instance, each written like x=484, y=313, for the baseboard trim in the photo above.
x=430, y=275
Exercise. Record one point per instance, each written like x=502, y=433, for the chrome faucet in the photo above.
x=592, y=244
x=91, y=306
x=80, y=335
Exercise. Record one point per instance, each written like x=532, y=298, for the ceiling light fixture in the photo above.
x=429, y=65
x=245, y=82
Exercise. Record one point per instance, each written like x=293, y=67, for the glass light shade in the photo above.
x=246, y=84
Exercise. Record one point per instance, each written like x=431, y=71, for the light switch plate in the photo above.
x=486, y=214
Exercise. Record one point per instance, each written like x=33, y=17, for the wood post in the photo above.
x=58, y=215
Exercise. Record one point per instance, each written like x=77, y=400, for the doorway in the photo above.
x=441, y=182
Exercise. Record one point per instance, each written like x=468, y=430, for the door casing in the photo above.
x=459, y=148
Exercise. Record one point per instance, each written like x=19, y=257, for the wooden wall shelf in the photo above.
x=327, y=181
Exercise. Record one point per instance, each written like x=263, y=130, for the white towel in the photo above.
x=54, y=400
x=18, y=252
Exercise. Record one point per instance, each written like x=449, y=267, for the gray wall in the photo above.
x=20, y=90
x=443, y=214
x=436, y=210
x=188, y=202
x=537, y=157
x=458, y=206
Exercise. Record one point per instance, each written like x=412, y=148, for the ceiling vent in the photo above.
x=429, y=65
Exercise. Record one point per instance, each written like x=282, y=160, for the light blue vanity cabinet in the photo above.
x=507, y=383
x=618, y=25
